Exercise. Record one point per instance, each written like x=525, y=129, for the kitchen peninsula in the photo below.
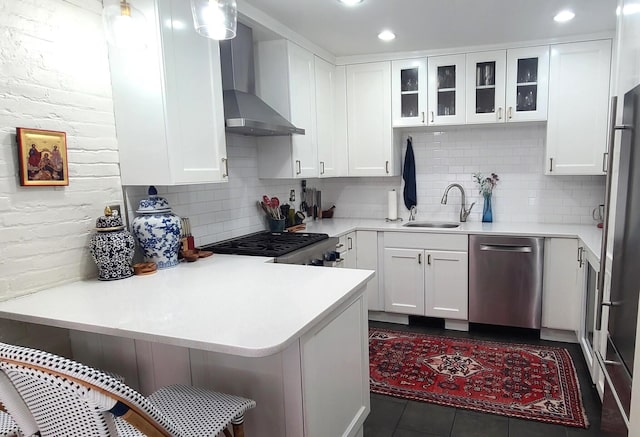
x=294, y=338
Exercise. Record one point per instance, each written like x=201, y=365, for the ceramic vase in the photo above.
x=112, y=247
x=157, y=231
x=487, y=213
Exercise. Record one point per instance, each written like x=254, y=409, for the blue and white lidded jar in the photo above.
x=157, y=230
x=112, y=247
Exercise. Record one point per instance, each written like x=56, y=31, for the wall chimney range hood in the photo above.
x=244, y=112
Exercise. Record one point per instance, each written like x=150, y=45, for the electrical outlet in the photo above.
x=292, y=196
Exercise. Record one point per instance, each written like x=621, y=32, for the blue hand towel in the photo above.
x=409, y=176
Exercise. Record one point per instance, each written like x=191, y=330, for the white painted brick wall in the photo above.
x=54, y=74
x=515, y=152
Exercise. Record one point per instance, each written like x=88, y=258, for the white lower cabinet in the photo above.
x=562, y=281
x=404, y=281
x=317, y=386
x=367, y=258
x=426, y=282
x=347, y=249
x=446, y=284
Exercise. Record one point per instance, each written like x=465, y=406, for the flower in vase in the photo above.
x=486, y=184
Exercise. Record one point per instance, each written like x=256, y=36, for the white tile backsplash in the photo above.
x=225, y=210
x=515, y=153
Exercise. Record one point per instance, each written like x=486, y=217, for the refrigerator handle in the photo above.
x=607, y=200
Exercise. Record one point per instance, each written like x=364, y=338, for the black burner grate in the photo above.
x=271, y=244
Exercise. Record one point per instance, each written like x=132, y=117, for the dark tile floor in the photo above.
x=393, y=417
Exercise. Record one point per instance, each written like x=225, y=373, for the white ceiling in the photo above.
x=434, y=24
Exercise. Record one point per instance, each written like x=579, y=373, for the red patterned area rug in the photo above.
x=516, y=380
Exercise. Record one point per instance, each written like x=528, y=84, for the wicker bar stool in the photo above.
x=8, y=428
x=69, y=398
x=15, y=418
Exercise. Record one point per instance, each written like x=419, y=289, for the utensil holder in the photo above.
x=276, y=225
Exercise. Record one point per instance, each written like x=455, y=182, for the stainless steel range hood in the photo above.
x=244, y=112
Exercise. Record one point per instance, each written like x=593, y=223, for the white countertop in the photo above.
x=591, y=236
x=244, y=306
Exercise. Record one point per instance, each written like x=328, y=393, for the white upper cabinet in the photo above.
x=286, y=81
x=446, y=91
x=409, y=92
x=508, y=85
x=168, y=102
x=578, y=108
x=486, y=75
x=527, y=84
x=371, y=144
x=331, y=118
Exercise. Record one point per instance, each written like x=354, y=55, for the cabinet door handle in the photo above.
x=386, y=166
x=322, y=166
x=423, y=117
x=500, y=113
x=350, y=245
x=298, y=167
x=510, y=113
x=580, y=256
x=550, y=165
x=225, y=161
x=419, y=258
x=432, y=116
x=605, y=162
x=429, y=259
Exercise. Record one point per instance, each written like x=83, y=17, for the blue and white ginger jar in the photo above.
x=157, y=230
x=112, y=247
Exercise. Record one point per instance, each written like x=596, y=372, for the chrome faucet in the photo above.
x=412, y=213
x=464, y=213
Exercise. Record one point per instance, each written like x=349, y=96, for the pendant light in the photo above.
x=215, y=19
x=124, y=25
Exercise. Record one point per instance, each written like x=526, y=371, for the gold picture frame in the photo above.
x=43, y=157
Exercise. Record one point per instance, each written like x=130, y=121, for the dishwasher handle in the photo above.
x=505, y=248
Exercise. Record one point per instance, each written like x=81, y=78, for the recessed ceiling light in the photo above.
x=386, y=35
x=350, y=2
x=564, y=16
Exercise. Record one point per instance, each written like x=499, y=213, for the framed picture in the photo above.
x=43, y=157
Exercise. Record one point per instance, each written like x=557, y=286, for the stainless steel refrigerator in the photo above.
x=625, y=275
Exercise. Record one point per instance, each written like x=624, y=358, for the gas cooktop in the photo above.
x=271, y=244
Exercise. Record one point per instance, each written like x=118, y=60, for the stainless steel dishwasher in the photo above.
x=505, y=280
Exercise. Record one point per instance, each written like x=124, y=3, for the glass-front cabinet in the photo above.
x=446, y=91
x=527, y=84
x=409, y=91
x=486, y=74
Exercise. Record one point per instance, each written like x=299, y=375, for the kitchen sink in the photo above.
x=441, y=225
